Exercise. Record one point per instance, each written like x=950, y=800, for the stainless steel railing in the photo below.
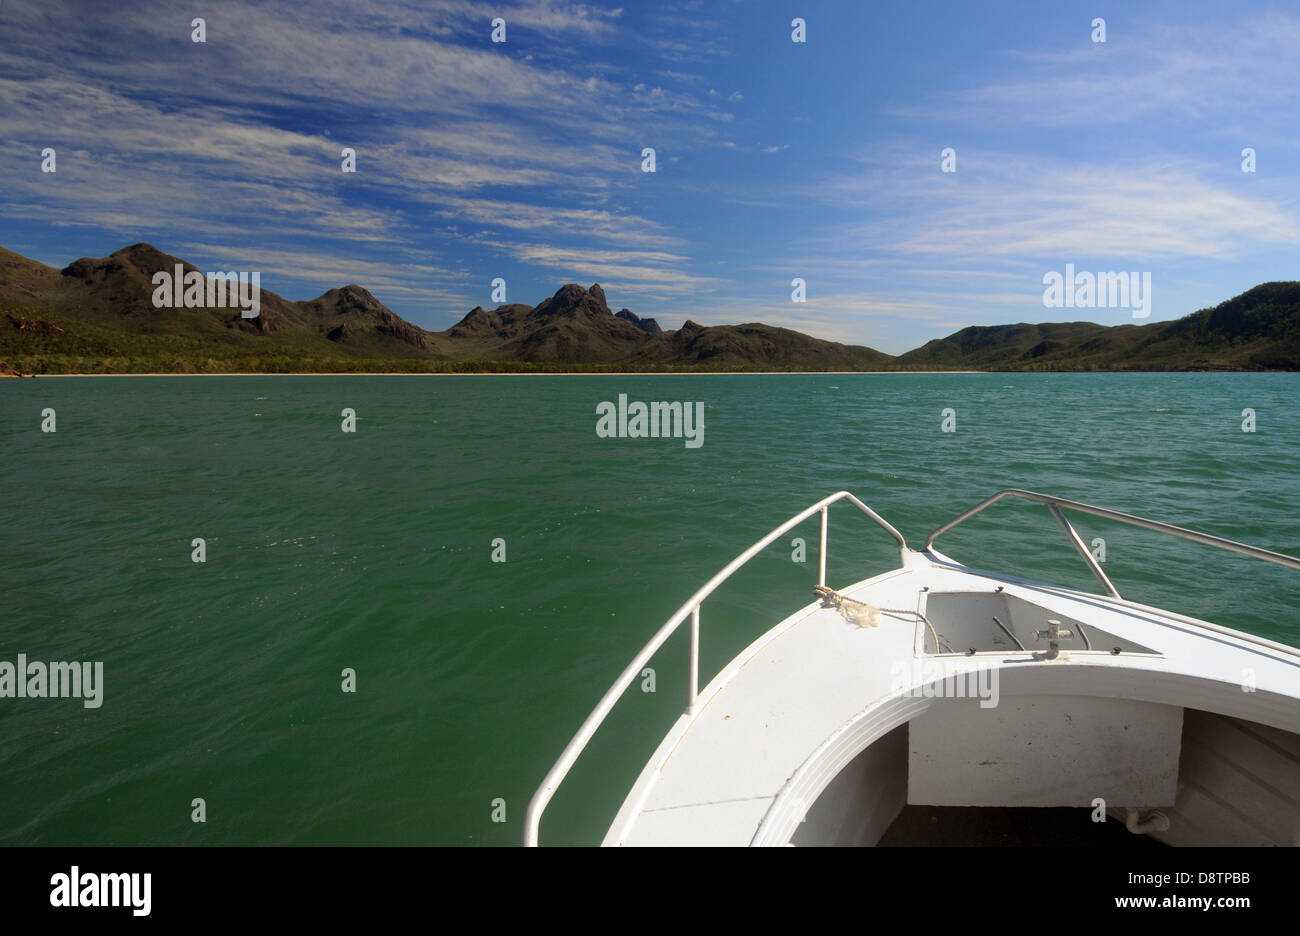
x=1054, y=504
x=537, y=805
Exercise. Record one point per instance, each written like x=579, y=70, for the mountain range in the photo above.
x=97, y=315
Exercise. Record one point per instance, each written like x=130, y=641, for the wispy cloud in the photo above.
x=1002, y=206
x=476, y=159
x=646, y=274
x=1195, y=71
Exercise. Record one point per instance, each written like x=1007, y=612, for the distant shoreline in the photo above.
x=1009, y=373
x=541, y=374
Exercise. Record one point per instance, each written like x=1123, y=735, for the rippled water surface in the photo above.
x=373, y=551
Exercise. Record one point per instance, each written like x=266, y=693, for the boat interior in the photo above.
x=1235, y=784
x=996, y=622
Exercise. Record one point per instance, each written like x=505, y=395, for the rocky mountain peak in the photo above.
x=648, y=325
x=572, y=301
x=138, y=259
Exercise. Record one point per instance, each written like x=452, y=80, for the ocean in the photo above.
x=373, y=552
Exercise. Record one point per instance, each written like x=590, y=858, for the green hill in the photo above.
x=97, y=315
x=1258, y=330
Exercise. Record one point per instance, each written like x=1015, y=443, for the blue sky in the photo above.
x=775, y=159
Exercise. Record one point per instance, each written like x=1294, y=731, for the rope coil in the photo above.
x=868, y=615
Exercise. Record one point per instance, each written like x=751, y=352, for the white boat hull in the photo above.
x=822, y=731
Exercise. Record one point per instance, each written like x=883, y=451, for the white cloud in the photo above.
x=1195, y=71
x=584, y=223
x=1003, y=207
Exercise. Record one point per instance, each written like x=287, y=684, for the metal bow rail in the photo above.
x=1054, y=504
x=556, y=775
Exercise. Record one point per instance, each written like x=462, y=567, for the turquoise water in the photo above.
x=373, y=550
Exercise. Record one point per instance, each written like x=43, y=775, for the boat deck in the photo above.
x=762, y=724
x=717, y=774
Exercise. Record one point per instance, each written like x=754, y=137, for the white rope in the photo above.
x=868, y=615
